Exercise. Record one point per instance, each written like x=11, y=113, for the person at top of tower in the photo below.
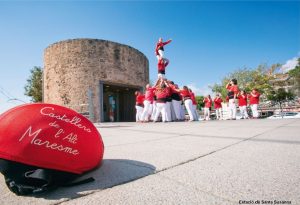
x=159, y=49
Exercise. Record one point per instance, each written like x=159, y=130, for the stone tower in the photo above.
x=95, y=77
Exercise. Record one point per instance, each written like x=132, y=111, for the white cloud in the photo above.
x=290, y=64
x=204, y=90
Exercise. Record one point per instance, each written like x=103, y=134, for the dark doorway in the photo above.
x=118, y=103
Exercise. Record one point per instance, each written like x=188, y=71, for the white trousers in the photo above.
x=153, y=110
x=206, y=113
x=147, y=110
x=161, y=76
x=219, y=113
x=189, y=107
x=168, y=112
x=254, y=110
x=195, y=113
x=243, y=111
x=232, y=109
x=182, y=112
x=161, y=54
x=173, y=115
x=160, y=109
x=177, y=108
x=139, y=112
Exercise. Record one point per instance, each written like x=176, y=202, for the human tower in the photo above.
x=164, y=100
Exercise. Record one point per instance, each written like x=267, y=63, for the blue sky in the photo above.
x=210, y=39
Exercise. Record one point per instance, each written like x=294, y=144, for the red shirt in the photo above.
x=193, y=98
x=242, y=100
x=160, y=45
x=174, y=89
x=233, y=88
x=218, y=102
x=161, y=93
x=207, y=102
x=149, y=95
x=232, y=91
x=185, y=93
x=169, y=91
x=139, y=99
x=254, y=98
x=161, y=66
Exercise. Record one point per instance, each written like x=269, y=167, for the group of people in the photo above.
x=235, y=98
x=166, y=102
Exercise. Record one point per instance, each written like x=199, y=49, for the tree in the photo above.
x=280, y=96
x=34, y=85
x=199, y=100
x=296, y=71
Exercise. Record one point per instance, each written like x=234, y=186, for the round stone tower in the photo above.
x=95, y=77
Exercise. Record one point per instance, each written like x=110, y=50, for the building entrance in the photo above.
x=118, y=103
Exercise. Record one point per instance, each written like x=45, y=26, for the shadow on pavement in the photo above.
x=112, y=172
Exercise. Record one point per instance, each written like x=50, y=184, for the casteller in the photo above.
x=44, y=146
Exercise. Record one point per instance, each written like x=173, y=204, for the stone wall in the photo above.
x=73, y=67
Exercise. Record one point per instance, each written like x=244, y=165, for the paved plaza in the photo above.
x=214, y=162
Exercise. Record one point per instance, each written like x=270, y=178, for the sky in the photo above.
x=210, y=38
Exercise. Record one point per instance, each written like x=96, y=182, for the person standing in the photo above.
x=139, y=106
x=161, y=93
x=149, y=95
x=207, y=106
x=176, y=100
x=242, y=96
x=254, y=101
x=153, y=107
x=232, y=95
x=195, y=113
x=187, y=101
x=168, y=104
x=218, y=106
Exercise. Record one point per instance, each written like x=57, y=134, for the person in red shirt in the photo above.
x=161, y=92
x=218, y=106
x=207, y=106
x=168, y=103
x=233, y=90
x=139, y=106
x=159, y=49
x=254, y=101
x=186, y=95
x=195, y=113
x=161, y=66
x=176, y=100
x=242, y=96
x=149, y=95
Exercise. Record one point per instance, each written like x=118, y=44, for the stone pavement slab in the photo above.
x=215, y=162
